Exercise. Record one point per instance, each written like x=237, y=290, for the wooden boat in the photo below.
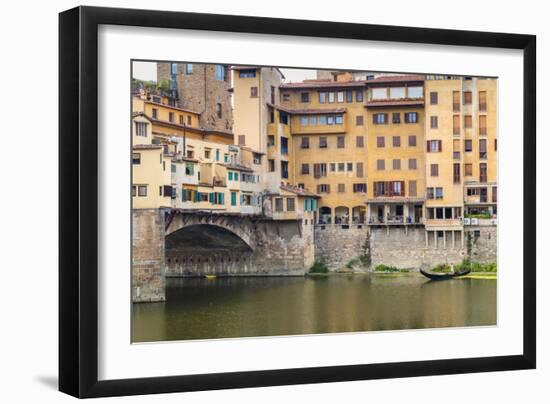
x=445, y=275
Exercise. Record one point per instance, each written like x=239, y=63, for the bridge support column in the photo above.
x=148, y=260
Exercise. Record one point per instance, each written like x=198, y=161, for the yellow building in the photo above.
x=395, y=169
x=328, y=144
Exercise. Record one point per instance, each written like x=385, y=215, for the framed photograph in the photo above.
x=251, y=201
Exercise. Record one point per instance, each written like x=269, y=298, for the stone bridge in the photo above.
x=179, y=243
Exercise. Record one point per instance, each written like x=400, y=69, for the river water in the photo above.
x=198, y=308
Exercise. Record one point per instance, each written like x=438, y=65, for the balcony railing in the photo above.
x=394, y=220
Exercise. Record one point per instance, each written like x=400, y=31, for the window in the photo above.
x=332, y=167
x=284, y=145
x=350, y=167
x=379, y=93
x=483, y=149
x=340, y=142
x=253, y=92
x=456, y=124
x=323, y=188
x=142, y=190
x=188, y=68
x=396, y=117
x=438, y=193
x=380, y=165
x=312, y=120
x=433, y=122
x=359, y=96
x=412, y=187
x=482, y=172
x=136, y=158
x=241, y=140
x=456, y=149
x=456, y=173
x=412, y=141
x=331, y=97
x=495, y=144
x=271, y=140
x=468, y=169
x=434, y=146
x=467, y=97
x=380, y=119
x=284, y=169
x=247, y=73
x=359, y=141
x=494, y=194
x=359, y=170
x=415, y=92
x=341, y=188
x=339, y=119
x=483, y=125
x=172, y=168
x=305, y=142
x=359, y=120
x=141, y=129
x=483, y=101
x=349, y=96
x=467, y=145
x=330, y=120
x=219, y=110
x=290, y=204
x=433, y=98
x=181, y=120
x=456, y=101
x=230, y=175
x=283, y=118
x=430, y=193
x=155, y=113
x=189, y=169
x=279, y=204
x=412, y=164
x=319, y=170
x=305, y=169
x=190, y=154
x=380, y=141
x=467, y=121
x=286, y=97
x=411, y=117
x=434, y=170
x=173, y=68
x=321, y=120
x=397, y=93
x=341, y=167
x=271, y=164
x=322, y=98
x=396, y=141
x=323, y=142
x=340, y=96
x=171, y=116
x=360, y=188
x=303, y=120
x=304, y=97
x=220, y=72
x=396, y=164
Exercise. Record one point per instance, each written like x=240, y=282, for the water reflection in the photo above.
x=245, y=307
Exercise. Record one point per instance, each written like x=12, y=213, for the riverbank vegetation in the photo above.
x=465, y=265
x=381, y=268
x=318, y=267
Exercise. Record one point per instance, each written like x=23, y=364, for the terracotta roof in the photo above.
x=147, y=146
x=391, y=103
x=324, y=84
x=187, y=159
x=317, y=111
x=176, y=125
x=299, y=191
x=396, y=79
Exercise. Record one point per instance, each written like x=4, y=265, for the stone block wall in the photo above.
x=148, y=281
x=483, y=244
x=337, y=245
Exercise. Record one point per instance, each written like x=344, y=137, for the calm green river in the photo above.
x=197, y=308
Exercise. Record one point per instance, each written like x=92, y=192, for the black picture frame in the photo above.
x=78, y=206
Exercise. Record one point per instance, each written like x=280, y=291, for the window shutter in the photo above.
x=428, y=146
x=402, y=188
x=359, y=169
x=387, y=188
x=440, y=145
x=318, y=189
x=167, y=190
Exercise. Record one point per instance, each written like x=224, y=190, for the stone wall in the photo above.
x=276, y=248
x=148, y=282
x=337, y=245
x=201, y=91
x=483, y=244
